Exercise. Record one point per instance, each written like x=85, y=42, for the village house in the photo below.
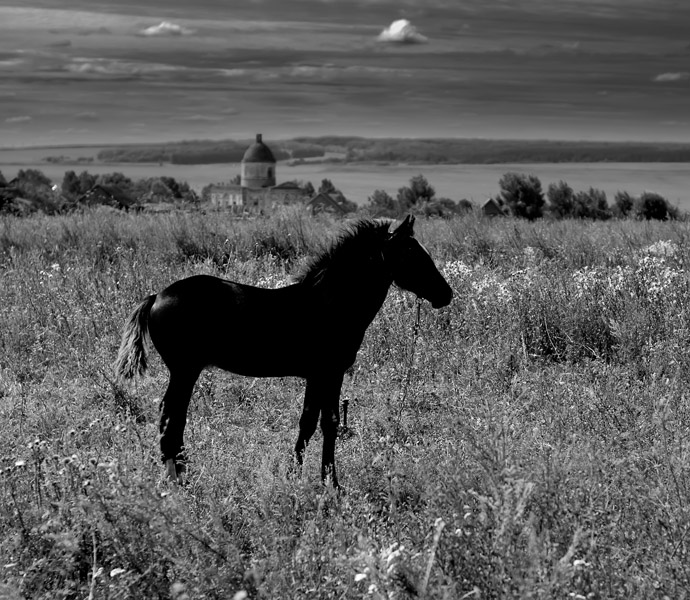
x=329, y=203
x=106, y=195
x=491, y=208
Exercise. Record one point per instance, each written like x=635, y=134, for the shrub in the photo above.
x=651, y=205
x=561, y=199
x=523, y=195
x=623, y=204
x=591, y=204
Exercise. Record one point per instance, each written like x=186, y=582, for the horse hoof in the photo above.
x=175, y=471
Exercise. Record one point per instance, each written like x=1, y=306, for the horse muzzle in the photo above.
x=442, y=299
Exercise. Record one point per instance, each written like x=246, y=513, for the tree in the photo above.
x=116, y=179
x=3, y=181
x=623, y=204
x=327, y=187
x=651, y=205
x=308, y=188
x=206, y=193
x=419, y=191
x=86, y=181
x=523, y=195
x=33, y=177
x=382, y=204
x=445, y=207
x=236, y=180
x=561, y=199
x=591, y=204
x=70, y=185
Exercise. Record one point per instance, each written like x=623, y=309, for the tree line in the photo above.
x=31, y=191
x=521, y=195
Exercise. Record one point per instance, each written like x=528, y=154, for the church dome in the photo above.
x=258, y=152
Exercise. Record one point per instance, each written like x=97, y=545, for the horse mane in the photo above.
x=357, y=241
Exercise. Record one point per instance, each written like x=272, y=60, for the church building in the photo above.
x=257, y=191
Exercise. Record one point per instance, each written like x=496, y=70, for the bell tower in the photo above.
x=258, y=168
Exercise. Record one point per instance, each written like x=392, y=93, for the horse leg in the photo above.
x=173, y=418
x=330, y=420
x=308, y=421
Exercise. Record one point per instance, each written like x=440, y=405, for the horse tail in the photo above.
x=131, y=358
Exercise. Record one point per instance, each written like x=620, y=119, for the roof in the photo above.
x=288, y=185
x=258, y=152
x=110, y=193
x=225, y=187
x=325, y=202
x=492, y=207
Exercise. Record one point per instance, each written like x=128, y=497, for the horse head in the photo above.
x=412, y=267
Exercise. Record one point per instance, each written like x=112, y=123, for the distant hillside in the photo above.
x=396, y=150
x=205, y=152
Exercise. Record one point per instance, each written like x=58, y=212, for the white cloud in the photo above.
x=665, y=77
x=166, y=28
x=402, y=32
x=22, y=119
x=103, y=66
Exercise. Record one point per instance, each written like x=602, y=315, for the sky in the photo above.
x=95, y=72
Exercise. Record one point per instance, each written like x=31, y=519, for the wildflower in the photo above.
x=662, y=248
x=580, y=563
x=360, y=576
x=117, y=571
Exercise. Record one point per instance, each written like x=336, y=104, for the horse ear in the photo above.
x=406, y=227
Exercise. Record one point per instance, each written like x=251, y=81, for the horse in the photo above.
x=311, y=329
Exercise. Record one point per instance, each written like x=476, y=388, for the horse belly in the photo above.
x=256, y=356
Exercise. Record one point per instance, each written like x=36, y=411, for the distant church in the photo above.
x=257, y=191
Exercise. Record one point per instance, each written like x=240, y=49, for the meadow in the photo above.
x=530, y=442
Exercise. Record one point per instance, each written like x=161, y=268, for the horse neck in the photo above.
x=359, y=292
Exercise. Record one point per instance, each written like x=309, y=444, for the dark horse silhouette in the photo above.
x=311, y=329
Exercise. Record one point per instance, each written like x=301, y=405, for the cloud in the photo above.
x=22, y=119
x=103, y=66
x=232, y=72
x=12, y=62
x=86, y=116
x=402, y=32
x=198, y=117
x=166, y=28
x=666, y=77
x=98, y=31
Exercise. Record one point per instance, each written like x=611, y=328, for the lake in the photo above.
x=358, y=181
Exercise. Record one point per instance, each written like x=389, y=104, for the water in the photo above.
x=358, y=181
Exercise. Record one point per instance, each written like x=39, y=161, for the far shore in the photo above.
x=475, y=182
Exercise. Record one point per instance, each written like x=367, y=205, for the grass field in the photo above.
x=540, y=451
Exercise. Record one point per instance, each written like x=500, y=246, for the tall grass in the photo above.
x=540, y=451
